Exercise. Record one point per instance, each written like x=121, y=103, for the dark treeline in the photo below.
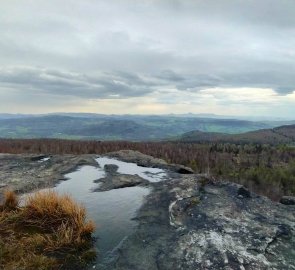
x=265, y=169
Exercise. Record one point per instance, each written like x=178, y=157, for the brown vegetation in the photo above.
x=49, y=232
x=10, y=200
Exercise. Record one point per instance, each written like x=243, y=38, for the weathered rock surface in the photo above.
x=187, y=223
x=120, y=181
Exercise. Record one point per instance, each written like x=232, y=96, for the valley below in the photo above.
x=153, y=215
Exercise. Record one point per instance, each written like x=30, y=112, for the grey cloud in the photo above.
x=73, y=84
x=282, y=82
x=261, y=13
x=170, y=75
x=126, y=48
x=120, y=84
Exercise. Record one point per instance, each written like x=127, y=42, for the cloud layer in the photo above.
x=96, y=51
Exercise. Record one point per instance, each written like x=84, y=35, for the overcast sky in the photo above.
x=231, y=57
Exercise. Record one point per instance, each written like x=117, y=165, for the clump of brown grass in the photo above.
x=49, y=210
x=10, y=200
x=49, y=232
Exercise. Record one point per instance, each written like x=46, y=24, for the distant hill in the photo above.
x=120, y=127
x=278, y=135
x=13, y=116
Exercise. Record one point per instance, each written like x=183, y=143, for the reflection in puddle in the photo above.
x=150, y=174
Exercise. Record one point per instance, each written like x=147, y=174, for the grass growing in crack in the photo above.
x=194, y=201
x=49, y=232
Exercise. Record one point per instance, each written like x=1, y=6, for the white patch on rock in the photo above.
x=172, y=219
x=197, y=245
x=44, y=159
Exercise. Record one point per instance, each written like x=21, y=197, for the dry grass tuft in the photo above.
x=10, y=200
x=49, y=232
x=49, y=210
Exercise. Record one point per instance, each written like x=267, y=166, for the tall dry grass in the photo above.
x=49, y=232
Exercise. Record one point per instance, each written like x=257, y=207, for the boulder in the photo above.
x=119, y=181
x=244, y=192
x=288, y=200
x=111, y=168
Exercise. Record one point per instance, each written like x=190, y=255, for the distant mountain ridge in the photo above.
x=120, y=127
x=184, y=115
x=278, y=135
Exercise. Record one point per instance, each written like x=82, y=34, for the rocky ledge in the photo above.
x=192, y=222
x=28, y=172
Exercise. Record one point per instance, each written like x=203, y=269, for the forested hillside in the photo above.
x=278, y=135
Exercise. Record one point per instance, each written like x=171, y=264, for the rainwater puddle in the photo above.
x=112, y=211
